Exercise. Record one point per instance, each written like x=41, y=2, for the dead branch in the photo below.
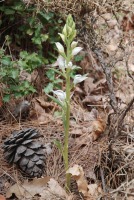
x=124, y=112
x=128, y=72
x=108, y=74
x=117, y=120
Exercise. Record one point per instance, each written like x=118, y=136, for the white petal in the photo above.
x=74, y=44
x=60, y=94
x=61, y=62
x=76, y=50
x=79, y=78
x=60, y=47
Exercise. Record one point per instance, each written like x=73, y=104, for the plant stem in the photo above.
x=67, y=127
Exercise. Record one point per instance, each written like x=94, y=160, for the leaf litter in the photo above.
x=91, y=191
x=46, y=188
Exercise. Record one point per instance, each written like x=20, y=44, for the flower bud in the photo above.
x=70, y=21
x=60, y=47
x=62, y=36
x=69, y=31
x=61, y=62
x=79, y=78
x=76, y=50
x=74, y=44
x=70, y=65
x=60, y=94
x=64, y=32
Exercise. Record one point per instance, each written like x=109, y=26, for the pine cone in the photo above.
x=27, y=153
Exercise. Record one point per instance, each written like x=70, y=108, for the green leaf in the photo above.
x=44, y=37
x=57, y=114
x=58, y=81
x=46, y=16
x=58, y=145
x=6, y=98
x=58, y=72
x=23, y=54
x=36, y=40
x=14, y=74
x=6, y=60
x=18, y=6
x=78, y=58
x=50, y=74
x=48, y=88
x=32, y=89
x=9, y=11
x=26, y=84
x=18, y=95
x=55, y=100
x=30, y=32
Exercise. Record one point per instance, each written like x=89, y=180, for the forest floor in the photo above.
x=101, y=142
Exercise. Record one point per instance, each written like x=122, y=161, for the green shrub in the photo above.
x=28, y=41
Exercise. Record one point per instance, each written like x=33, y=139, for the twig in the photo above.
x=124, y=112
x=122, y=186
x=103, y=180
x=128, y=72
x=108, y=74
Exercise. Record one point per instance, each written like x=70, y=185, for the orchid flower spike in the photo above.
x=79, y=78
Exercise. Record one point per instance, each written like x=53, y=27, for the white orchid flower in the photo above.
x=76, y=50
x=79, y=78
x=60, y=94
x=60, y=47
x=74, y=44
x=61, y=62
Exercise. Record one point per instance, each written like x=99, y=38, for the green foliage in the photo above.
x=78, y=58
x=53, y=81
x=10, y=72
x=28, y=41
x=30, y=61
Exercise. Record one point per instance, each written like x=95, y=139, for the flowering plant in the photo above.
x=65, y=63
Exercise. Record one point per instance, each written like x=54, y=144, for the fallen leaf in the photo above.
x=28, y=189
x=98, y=128
x=91, y=127
x=128, y=22
x=107, y=16
x=94, y=99
x=41, y=115
x=90, y=192
x=17, y=190
x=112, y=46
x=112, y=23
x=45, y=104
x=24, y=75
x=47, y=188
x=54, y=191
x=89, y=86
x=77, y=172
x=2, y=197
